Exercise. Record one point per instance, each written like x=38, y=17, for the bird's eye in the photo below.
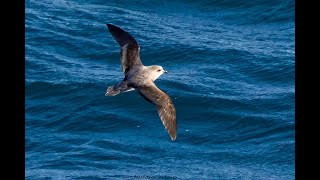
x=159, y=70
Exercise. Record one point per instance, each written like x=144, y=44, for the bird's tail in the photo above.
x=117, y=89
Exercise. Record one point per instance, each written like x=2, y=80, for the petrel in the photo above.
x=141, y=78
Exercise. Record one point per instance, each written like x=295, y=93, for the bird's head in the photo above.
x=157, y=71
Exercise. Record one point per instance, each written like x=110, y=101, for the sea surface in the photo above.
x=231, y=67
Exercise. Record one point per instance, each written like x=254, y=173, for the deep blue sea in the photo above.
x=231, y=67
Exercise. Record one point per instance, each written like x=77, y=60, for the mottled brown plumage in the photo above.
x=165, y=107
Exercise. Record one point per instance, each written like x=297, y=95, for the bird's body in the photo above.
x=141, y=78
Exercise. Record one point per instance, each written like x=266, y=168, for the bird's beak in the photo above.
x=166, y=72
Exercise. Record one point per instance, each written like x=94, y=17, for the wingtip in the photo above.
x=109, y=25
x=121, y=36
x=173, y=138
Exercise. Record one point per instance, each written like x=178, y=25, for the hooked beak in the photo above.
x=166, y=72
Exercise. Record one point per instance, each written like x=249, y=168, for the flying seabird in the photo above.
x=141, y=78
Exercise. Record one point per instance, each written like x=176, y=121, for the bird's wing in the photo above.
x=130, y=49
x=165, y=107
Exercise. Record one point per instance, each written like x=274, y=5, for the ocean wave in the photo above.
x=231, y=79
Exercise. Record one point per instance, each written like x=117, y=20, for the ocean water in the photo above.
x=231, y=78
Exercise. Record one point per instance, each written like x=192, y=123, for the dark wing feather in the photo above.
x=130, y=50
x=165, y=107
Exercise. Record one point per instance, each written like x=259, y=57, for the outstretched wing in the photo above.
x=164, y=105
x=130, y=50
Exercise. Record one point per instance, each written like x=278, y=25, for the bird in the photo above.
x=141, y=79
